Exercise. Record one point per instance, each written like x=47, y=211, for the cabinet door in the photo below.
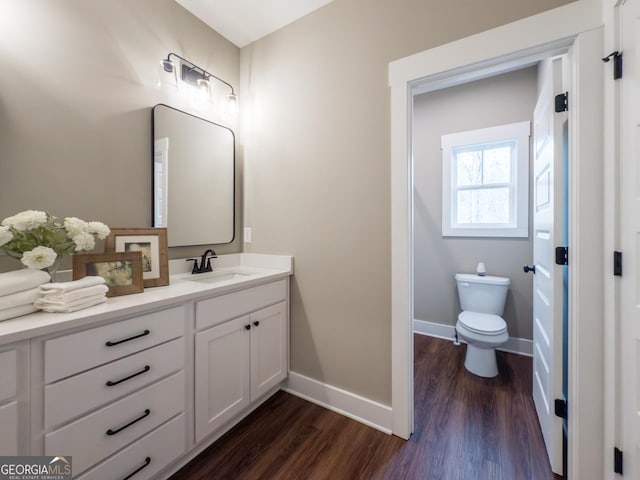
x=14, y=399
x=222, y=374
x=9, y=429
x=269, y=347
x=8, y=413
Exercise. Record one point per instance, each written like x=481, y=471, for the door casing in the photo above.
x=573, y=28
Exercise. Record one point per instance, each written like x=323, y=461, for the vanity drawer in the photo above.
x=9, y=382
x=65, y=356
x=225, y=307
x=161, y=447
x=100, y=434
x=9, y=429
x=79, y=394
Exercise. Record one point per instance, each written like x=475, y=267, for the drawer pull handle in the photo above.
x=111, y=383
x=145, y=414
x=118, y=342
x=247, y=327
x=256, y=323
x=147, y=461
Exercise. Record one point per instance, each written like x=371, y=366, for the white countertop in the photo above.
x=230, y=272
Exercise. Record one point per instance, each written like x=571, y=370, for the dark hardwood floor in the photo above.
x=466, y=427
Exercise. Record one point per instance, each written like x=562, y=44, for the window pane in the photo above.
x=497, y=165
x=465, y=207
x=482, y=206
x=494, y=205
x=468, y=166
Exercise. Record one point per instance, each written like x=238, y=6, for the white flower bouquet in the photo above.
x=39, y=239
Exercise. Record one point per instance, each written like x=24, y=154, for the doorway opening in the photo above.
x=479, y=185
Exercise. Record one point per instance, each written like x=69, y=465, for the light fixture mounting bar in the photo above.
x=191, y=73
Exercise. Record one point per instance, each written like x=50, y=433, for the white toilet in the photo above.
x=480, y=324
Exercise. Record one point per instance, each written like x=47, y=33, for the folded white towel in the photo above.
x=46, y=302
x=19, y=298
x=78, y=305
x=19, y=280
x=68, y=297
x=62, y=287
x=7, y=313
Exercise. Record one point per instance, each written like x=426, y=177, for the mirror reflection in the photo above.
x=194, y=178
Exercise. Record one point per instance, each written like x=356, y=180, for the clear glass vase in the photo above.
x=51, y=269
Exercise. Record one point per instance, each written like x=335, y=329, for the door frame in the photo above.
x=576, y=28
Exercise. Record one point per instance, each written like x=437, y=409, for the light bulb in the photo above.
x=203, y=91
x=167, y=74
x=232, y=106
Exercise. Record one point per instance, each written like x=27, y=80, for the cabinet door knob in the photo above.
x=247, y=327
x=256, y=323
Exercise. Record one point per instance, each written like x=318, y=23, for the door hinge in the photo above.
x=617, y=263
x=617, y=63
x=562, y=102
x=560, y=408
x=562, y=255
x=617, y=460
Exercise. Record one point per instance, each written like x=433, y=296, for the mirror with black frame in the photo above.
x=193, y=178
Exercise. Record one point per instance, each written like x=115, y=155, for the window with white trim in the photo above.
x=485, y=182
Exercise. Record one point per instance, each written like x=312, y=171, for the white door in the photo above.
x=630, y=238
x=222, y=387
x=547, y=284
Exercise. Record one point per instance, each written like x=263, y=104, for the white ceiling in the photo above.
x=245, y=21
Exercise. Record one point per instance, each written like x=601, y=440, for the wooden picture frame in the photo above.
x=152, y=242
x=122, y=271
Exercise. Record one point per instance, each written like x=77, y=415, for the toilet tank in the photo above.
x=482, y=294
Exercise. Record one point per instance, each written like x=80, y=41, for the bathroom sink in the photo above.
x=215, y=277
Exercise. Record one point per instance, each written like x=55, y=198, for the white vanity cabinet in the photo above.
x=107, y=389
x=13, y=398
x=242, y=355
x=136, y=387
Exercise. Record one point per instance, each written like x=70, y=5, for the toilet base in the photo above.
x=481, y=361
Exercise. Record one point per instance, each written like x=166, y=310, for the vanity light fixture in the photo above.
x=198, y=77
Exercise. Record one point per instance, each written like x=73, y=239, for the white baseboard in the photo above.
x=520, y=346
x=431, y=329
x=367, y=411
x=349, y=404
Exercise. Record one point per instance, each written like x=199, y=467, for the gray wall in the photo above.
x=494, y=101
x=76, y=91
x=317, y=178
x=76, y=87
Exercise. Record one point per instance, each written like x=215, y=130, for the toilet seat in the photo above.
x=482, y=323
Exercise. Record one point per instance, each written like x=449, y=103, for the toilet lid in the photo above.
x=482, y=323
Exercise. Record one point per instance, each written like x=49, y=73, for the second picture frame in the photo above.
x=152, y=242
